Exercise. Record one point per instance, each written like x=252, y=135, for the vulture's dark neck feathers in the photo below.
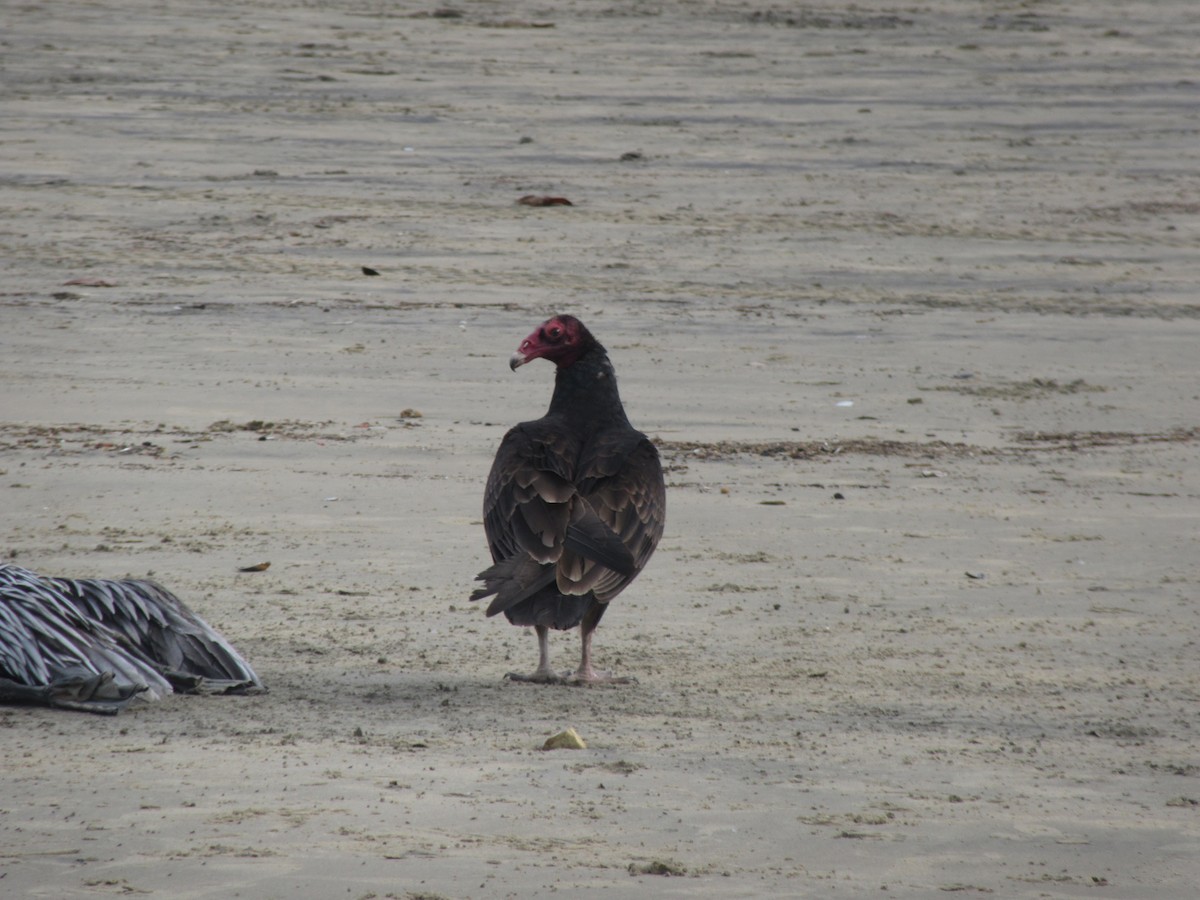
x=585, y=393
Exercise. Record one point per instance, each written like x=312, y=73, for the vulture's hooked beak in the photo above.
x=523, y=355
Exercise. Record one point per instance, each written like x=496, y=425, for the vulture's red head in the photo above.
x=561, y=339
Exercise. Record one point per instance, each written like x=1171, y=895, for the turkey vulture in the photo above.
x=575, y=502
x=95, y=645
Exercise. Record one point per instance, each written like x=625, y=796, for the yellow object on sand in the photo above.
x=565, y=740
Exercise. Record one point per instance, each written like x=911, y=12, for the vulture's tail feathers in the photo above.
x=512, y=580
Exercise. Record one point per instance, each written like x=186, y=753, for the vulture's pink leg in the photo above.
x=543, y=674
x=585, y=674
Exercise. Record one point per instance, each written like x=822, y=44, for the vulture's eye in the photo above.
x=554, y=332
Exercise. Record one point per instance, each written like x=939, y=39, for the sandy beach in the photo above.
x=907, y=296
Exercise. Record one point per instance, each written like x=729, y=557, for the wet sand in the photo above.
x=907, y=296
